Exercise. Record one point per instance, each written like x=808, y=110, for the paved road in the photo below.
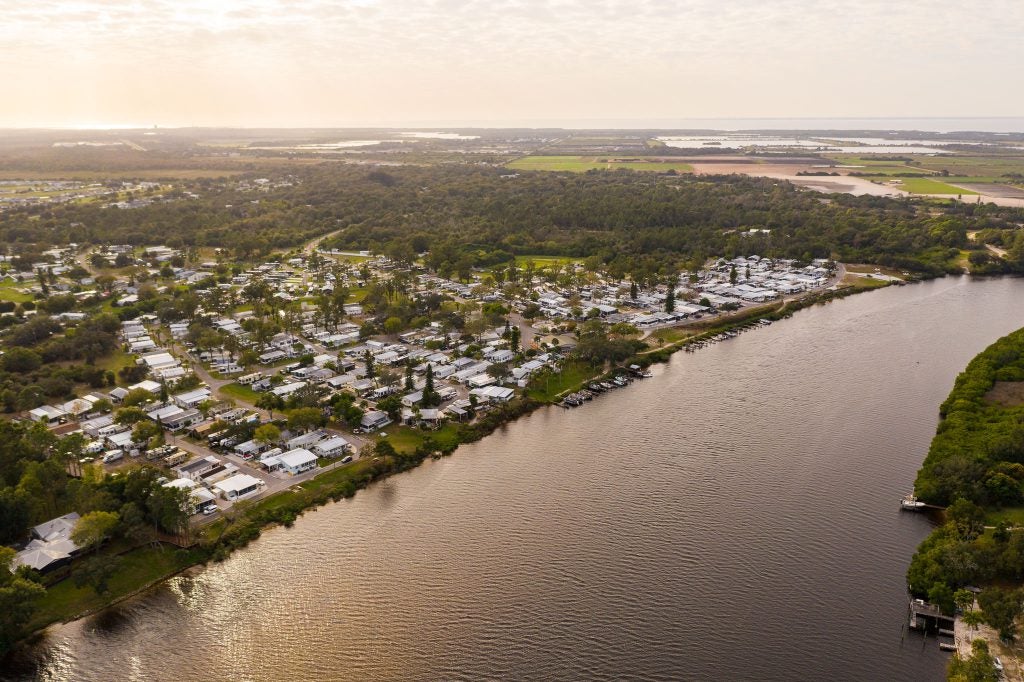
x=83, y=260
x=311, y=245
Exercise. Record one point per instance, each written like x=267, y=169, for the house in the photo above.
x=120, y=441
x=271, y=460
x=250, y=448
x=78, y=405
x=48, y=414
x=51, y=546
x=285, y=390
x=199, y=497
x=92, y=426
x=306, y=440
x=182, y=420
x=335, y=446
x=192, y=398
x=427, y=415
x=147, y=385
x=238, y=487
x=297, y=461
x=497, y=394
x=272, y=356
x=374, y=420
x=502, y=356
x=195, y=469
x=480, y=380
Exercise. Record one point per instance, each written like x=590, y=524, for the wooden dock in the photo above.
x=928, y=617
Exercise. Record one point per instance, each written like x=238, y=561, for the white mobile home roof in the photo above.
x=331, y=444
x=238, y=482
x=296, y=458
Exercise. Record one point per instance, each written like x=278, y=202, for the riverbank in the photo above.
x=410, y=448
x=973, y=467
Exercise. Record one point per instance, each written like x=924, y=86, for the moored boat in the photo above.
x=911, y=503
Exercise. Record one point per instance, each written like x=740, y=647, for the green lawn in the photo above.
x=579, y=164
x=115, y=361
x=572, y=376
x=243, y=393
x=671, y=334
x=9, y=291
x=137, y=568
x=406, y=439
x=1014, y=516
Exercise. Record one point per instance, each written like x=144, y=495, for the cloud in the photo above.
x=434, y=58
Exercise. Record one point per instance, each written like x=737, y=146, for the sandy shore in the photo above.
x=965, y=636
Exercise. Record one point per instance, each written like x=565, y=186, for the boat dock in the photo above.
x=928, y=617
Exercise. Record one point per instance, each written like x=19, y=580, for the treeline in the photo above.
x=630, y=222
x=979, y=443
x=637, y=223
x=975, y=464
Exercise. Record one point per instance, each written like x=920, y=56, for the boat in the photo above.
x=911, y=503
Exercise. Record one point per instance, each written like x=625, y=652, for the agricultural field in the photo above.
x=975, y=166
x=867, y=164
x=579, y=164
x=929, y=186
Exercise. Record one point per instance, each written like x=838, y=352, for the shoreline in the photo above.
x=284, y=507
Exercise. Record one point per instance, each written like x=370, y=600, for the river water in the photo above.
x=734, y=518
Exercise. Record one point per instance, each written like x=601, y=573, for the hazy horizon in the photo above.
x=446, y=63
x=936, y=124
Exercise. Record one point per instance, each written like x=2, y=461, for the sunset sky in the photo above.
x=394, y=62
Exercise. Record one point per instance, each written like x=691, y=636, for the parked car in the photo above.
x=347, y=459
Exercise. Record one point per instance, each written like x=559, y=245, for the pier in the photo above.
x=929, y=618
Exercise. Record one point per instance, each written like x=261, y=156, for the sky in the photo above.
x=295, y=63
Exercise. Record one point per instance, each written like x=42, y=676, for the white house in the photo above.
x=374, y=420
x=335, y=446
x=239, y=487
x=47, y=413
x=297, y=461
x=192, y=398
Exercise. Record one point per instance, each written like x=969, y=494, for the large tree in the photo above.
x=93, y=528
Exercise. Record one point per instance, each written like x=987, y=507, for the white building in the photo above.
x=297, y=461
x=239, y=487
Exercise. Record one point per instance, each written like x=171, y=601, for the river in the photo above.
x=734, y=518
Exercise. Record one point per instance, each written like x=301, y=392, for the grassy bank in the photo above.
x=137, y=570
